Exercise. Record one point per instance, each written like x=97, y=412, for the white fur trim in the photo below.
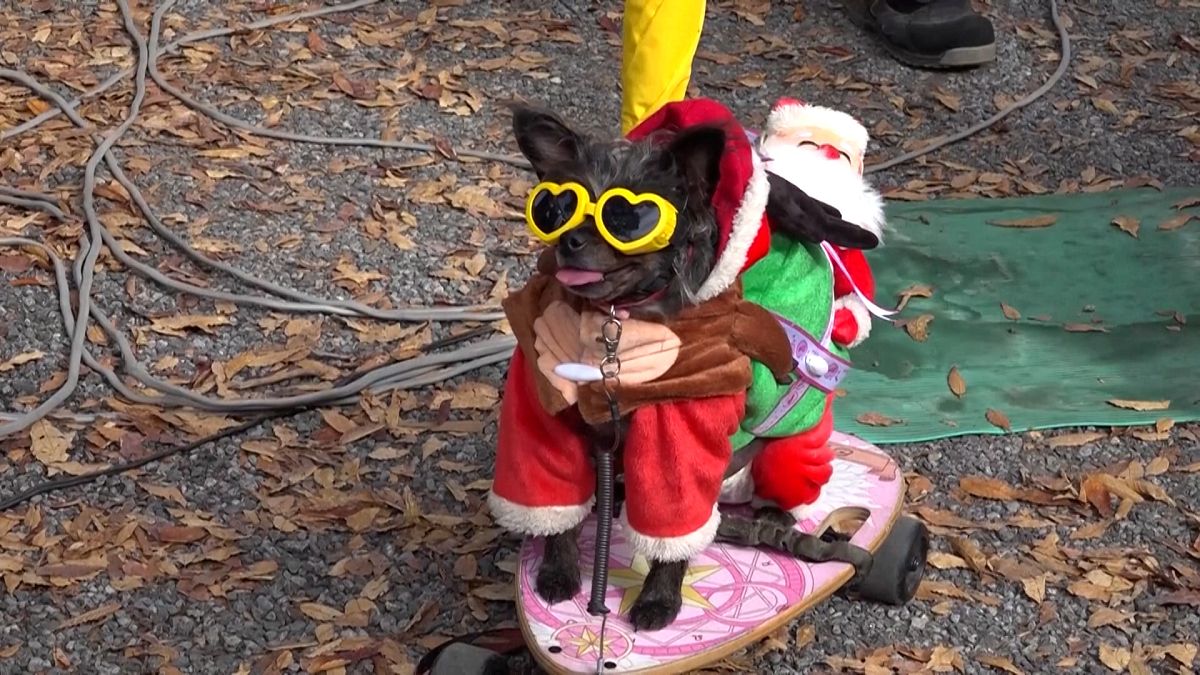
x=670, y=549
x=747, y=222
x=536, y=521
x=802, y=511
x=738, y=488
x=861, y=316
x=833, y=182
x=788, y=117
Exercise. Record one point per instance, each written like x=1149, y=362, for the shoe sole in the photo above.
x=960, y=57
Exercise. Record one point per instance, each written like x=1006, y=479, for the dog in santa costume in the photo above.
x=691, y=199
x=824, y=294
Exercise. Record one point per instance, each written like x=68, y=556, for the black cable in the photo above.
x=82, y=479
x=72, y=481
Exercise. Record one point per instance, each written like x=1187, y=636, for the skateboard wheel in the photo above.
x=465, y=659
x=898, y=565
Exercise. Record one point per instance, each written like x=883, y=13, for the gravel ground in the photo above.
x=263, y=552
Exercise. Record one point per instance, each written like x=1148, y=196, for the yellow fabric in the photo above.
x=659, y=41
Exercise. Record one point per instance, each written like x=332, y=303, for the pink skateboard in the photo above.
x=732, y=596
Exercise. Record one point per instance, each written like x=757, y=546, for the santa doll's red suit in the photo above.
x=683, y=380
x=821, y=151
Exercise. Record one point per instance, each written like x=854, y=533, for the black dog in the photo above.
x=650, y=285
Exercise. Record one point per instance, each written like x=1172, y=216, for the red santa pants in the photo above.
x=790, y=471
x=674, y=458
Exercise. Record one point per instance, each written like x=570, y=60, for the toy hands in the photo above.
x=845, y=327
x=851, y=322
x=796, y=215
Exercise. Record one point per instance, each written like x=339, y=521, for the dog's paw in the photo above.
x=654, y=613
x=558, y=583
x=775, y=515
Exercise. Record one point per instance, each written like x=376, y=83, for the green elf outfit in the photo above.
x=822, y=296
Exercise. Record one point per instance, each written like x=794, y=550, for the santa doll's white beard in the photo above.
x=831, y=181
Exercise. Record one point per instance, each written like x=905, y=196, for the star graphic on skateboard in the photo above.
x=630, y=580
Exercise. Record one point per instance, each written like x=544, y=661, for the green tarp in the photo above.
x=1080, y=270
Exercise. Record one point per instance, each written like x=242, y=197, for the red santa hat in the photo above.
x=740, y=198
x=790, y=113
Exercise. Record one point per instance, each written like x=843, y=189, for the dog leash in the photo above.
x=610, y=371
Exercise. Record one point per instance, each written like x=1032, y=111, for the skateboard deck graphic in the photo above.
x=732, y=596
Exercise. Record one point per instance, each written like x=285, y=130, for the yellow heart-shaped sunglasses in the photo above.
x=631, y=223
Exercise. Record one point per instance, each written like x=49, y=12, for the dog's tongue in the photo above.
x=570, y=276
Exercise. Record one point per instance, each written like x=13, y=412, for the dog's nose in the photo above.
x=574, y=241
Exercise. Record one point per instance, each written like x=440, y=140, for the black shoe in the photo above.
x=929, y=33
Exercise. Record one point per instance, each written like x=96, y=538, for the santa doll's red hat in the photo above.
x=790, y=113
x=740, y=198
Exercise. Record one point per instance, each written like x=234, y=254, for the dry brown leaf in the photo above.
x=1140, y=406
x=48, y=444
x=999, y=663
x=466, y=567
x=947, y=99
x=1031, y=222
x=752, y=80
x=361, y=520
x=918, y=328
x=958, y=386
x=1091, y=530
x=998, y=419
x=1084, y=328
x=1115, y=658
x=944, y=659
x=165, y=492
x=375, y=588
x=1010, y=312
x=496, y=592
x=101, y=612
x=1105, y=105
x=339, y=422
x=180, y=534
x=874, y=419
x=1176, y=222
x=945, y=561
x=1074, y=440
x=177, y=325
x=1128, y=225
x=987, y=488
x=1182, y=652
x=1158, y=466
x=1187, y=202
x=1107, y=616
x=318, y=612
x=20, y=359
x=914, y=291
x=1035, y=587
x=970, y=552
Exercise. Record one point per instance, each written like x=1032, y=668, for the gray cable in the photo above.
x=38, y=204
x=415, y=372
x=1064, y=62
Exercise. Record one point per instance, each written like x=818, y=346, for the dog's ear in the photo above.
x=545, y=139
x=796, y=215
x=696, y=155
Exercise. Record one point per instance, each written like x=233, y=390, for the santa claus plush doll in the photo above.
x=822, y=294
x=820, y=151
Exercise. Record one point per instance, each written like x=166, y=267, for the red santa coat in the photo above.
x=677, y=447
